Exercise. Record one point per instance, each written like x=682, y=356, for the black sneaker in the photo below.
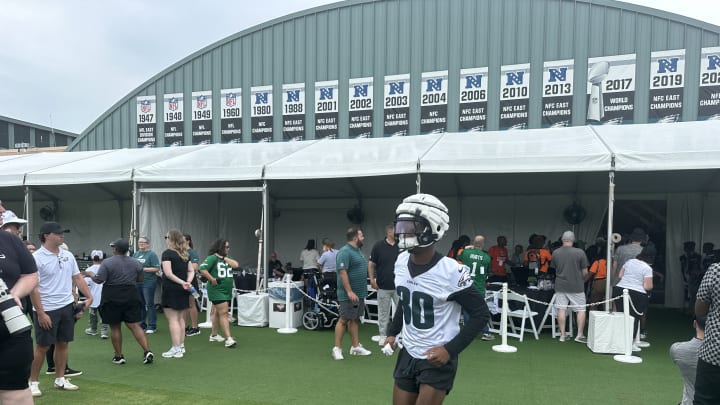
x=50, y=371
x=192, y=332
x=149, y=357
x=119, y=359
x=72, y=373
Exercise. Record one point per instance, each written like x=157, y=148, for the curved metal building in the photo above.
x=364, y=68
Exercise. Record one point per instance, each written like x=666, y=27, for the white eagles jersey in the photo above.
x=429, y=319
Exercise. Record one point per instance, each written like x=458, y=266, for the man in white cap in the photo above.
x=11, y=223
x=571, y=265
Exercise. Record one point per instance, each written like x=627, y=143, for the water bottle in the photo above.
x=194, y=293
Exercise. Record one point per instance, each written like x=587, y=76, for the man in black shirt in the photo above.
x=381, y=271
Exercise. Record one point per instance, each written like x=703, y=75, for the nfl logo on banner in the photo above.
x=173, y=104
x=145, y=106
x=201, y=102
x=230, y=100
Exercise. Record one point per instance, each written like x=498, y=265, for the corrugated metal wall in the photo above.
x=376, y=38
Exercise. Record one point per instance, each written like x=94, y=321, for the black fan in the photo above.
x=574, y=214
x=355, y=215
x=47, y=213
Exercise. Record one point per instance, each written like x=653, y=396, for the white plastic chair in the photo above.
x=523, y=313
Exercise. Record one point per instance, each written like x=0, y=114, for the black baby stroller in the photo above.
x=323, y=307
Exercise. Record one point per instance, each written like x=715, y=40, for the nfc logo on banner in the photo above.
x=473, y=82
x=327, y=93
x=397, y=87
x=433, y=85
x=713, y=62
x=360, y=91
x=557, y=75
x=667, y=65
x=261, y=97
x=293, y=96
x=514, y=78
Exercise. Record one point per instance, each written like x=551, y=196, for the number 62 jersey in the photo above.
x=429, y=319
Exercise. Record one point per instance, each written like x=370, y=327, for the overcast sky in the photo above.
x=64, y=63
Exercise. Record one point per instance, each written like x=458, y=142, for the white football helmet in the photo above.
x=420, y=220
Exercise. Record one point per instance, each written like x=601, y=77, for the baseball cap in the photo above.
x=9, y=217
x=52, y=227
x=568, y=236
x=97, y=253
x=121, y=245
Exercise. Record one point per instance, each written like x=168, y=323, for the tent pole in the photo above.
x=610, y=243
x=265, y=221
x=133, y=218
x=28, y=212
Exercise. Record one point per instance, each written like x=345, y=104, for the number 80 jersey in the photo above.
x=429, y=319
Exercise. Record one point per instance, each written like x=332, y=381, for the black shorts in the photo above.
x=218, y=302
x=113, y=313
x=62, y=330
x=411, y=372
x=16, y=352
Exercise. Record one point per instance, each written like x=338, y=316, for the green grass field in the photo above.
x=270, y=368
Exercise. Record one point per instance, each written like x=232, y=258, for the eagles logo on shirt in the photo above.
x=465, y=279
x=342, y=265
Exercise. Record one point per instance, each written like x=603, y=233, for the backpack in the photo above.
x=534, y=260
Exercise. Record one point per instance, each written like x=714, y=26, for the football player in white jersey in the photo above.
x=433, y=291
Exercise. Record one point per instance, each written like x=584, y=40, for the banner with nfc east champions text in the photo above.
x=667, y=80
x=433, y=102
x=709, y=96
x=514, y=96
x=231, y=115
x=611, y=89
x=173, y=105
x=360, y=108
x=293, y=112
x=326, y=109
x=201, y=117
x=261, y=114
x=396, y=105
x=557, y=93
x=473, y=99
x=146, y=121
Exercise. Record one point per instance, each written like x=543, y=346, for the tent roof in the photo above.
x=13, y=171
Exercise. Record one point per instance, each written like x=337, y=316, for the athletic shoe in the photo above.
x=230, y=342
x=337, y=353
x=192, y=332
x=581, y=339
x=91, y=332
x=563, y=338
x=381, y=341
x=148, y=357
x=174, y=352
x=72, y=373
x=487, y=336
x=376, y=338
x=50, y=371
x=359, y=351
x=119, y=359
x=103, y=336
x=35, y=388
x=150, y=331
x=65, y=384
x=182, y=348
x=216, y=338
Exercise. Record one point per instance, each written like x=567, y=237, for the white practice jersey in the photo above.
x=429, y=319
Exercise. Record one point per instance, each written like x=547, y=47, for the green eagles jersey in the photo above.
x=223, y=273
x=478, y=261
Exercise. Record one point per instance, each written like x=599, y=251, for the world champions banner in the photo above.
x=709, y=96
x=433, y=102
x=667, y=80
x=557, y=91
x=201, y=117
x=473, y=99
x=396, y=105
x=293, y=112
x=326, y=109
x=231, y=116
x=360, y=107
x=261, y=114
x=174, y=119
x=514, y=96
x=146, y=121
x=611, y=89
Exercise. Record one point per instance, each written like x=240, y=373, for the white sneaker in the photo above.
x=63, y=383
x=174, y=352
x=216, y=338
x=337, y=353
x=182, y=348
x=381, y=341
x=230, y=342
x=359, y=351
x=35, y=388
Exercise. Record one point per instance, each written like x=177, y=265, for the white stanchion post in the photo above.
x=627, y=333
x=504, y=347
x=288, y=307
x=208, y=308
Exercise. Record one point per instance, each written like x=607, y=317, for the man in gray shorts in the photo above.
x=571, y=265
